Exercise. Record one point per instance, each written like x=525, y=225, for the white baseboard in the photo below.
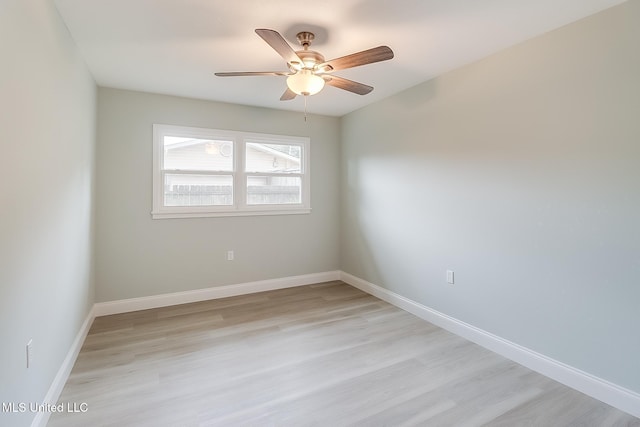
x=164, y=300
x=52, y=396
x=605, y=391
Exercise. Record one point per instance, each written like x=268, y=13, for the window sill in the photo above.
x=174, y=215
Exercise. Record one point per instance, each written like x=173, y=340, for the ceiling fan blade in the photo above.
x=288, y=95
x=346, y=84
x=253, y=73
x=376, y=54
x=280, y=45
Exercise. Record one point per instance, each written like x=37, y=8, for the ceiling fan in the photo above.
x=308, y=71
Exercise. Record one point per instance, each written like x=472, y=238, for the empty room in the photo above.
x=325, y=213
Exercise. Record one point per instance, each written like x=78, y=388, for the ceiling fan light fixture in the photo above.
x=304, y=82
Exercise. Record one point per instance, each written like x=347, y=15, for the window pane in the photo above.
x=197, y=154
x=278, y=158
x=198, y=190
x=273, y=190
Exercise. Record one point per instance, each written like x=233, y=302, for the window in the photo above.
x=207, y=172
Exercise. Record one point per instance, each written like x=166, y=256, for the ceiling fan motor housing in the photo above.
x=310, y=58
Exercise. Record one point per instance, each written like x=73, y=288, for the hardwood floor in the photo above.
x=318, y=355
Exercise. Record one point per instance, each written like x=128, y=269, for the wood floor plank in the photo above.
x=318, y=355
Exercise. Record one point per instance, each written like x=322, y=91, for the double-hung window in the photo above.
x=208, y=172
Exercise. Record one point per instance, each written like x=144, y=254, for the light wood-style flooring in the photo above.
x=318, y=355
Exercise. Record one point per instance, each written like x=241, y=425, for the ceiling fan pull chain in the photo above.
x=305, y=108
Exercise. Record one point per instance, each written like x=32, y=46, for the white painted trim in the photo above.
x=174, y=215
x=605, y=391
x=53, y=394
x=163, y=300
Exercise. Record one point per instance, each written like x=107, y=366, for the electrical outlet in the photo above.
x=30, y=353
x=229, y=255
x=450, y=277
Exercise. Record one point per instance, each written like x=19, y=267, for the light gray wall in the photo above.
x=521, y=173
x=47, y=125
x=137, y=256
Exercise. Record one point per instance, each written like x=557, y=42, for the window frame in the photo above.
x=239, y=206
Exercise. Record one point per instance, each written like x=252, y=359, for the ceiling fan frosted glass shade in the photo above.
x=304, y=82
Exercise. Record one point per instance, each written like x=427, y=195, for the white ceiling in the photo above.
x=174, y=46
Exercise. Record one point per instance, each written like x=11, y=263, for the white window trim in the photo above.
x=240, y=207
